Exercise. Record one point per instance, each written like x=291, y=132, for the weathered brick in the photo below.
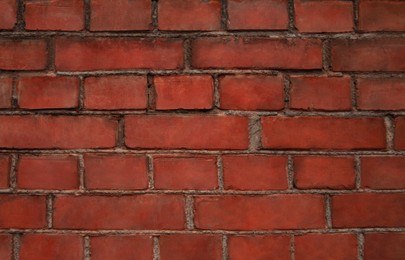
x=381, y=15
x=23, y=54
x=121, y=247
x=383, y=172
x=381, y=93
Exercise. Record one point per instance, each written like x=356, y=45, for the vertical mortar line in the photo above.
x=14, y=94
x=390, y=126
x=328, y=211
x=151, y=93
x=13, y=172
x=291, y=17
x=326, y=64
x=290, y=172
x=357, y=171
x=220, y=173
x=225, y=247
x=287, y=87
x=81, y=167
x=155, y=15
x=51, y=54
x=20, y=25
x=16, y=246
x=354, y=92
x=81, y=93
x=187, y=54
x=151, y=178
x=121, y=132
x=87, y=248
x=49, y=210
x=360, y=244
x=156, y=248
x=217, y=100
x=87, y=15
x=224, y=15
x=292, y=247
x=255, y=132
x=189, y=211
x=356, y=15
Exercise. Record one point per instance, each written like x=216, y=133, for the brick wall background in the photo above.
x=202, y=129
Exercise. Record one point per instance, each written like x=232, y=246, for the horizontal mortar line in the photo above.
x=219, y=231
x=202, y=152
x=193, y=192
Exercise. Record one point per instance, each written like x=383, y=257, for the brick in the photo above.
x=124, y=212
x=55, y=172
x=259, y=247
x=8, y=15
x=120, y=15
x=121, y=247
x=256, y=53
x=184, y=92
x=399, y=138
x=383, y=172
x=381, y=16
x=368, y=210
x=194, y=173
x=22, y=211
x=6, y=91
x=6, y=246
x=57, y=132
x=4, y=171
x=323, y=133
x=320, y=172
x=259, y=212
x=326, y=246
x=196, y=247
x=382, y=54
x=23, y=54
x=192, y=15
x=115, y=171
x=48, y=92
x=381, y=94
x=323, y=16
x=188, y=132
x=254, y=172
x=115, y=92
x=64, y=15
x=258, y=14
x=384, y=246
x=51, y=246
x=251, y=92
x=320, y=93
x=75, y=54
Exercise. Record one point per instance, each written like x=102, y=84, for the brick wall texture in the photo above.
x=202, y=129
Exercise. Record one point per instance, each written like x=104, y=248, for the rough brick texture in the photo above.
x=202, y=129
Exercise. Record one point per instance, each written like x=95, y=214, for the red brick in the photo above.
x=6, y=246
x=115, y=171
x=65, y=15
x=259, y=247
x=259, y=212
x=258, y=14
x=124, y=212
x=22, y=211
x=51, y=246
x=41, y=92
x=382, y=15
x=4, y=171
x=75, y=54
x=184, y=92
x=384, y=246
x=326, y=246
x=8, y=14
x=196, y=247
x=383, y=172
x=323, y=16
x=368, y=210
x=191, y=15
x=320, y=93
x=254, y=172
x=400, y=133
x=120, y=15
x=381, y=94
x=382, y=54
x=251, y=92
x=23, y=54
x=257, y=53
x=185, y=172
x=57, y=172
x=323, y=133
x=121, y=247
x=6, y=90
x=320, y=172
x=115, y=92
x=189, y=132
x=57, y=132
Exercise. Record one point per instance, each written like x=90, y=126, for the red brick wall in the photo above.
x=202, y=129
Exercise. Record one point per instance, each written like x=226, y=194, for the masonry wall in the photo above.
x=202, y=129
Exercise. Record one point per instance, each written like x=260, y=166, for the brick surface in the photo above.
x=27, y=54
x=399, y=138
x=6, y=90
x=384, y=246
x=4, y=171
x=8, y=14
x=381, y=15
x=5, y=246
x=383, y=172
x=381, y=94
x=121, y=247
